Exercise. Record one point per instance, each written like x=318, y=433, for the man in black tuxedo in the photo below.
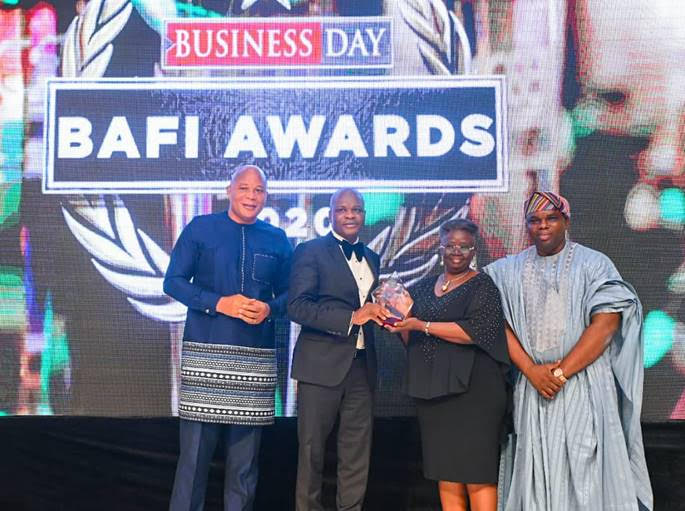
x=334, y=360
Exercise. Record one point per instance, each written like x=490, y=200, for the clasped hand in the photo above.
x=541, y=377
x=249, y=310
x=370, y=312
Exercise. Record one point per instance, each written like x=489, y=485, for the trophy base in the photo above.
x=391, y=321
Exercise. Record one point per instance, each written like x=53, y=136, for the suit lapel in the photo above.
x=368, y=255
x=348, y=284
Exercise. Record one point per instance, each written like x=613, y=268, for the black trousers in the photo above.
x=318, y=407
x=198, y=441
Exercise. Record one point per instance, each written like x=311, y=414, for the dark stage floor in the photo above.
x=128, y=464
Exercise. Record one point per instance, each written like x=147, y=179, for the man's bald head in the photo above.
x=345, y=191
x=240, y=171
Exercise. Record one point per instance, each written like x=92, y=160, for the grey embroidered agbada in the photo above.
x=583, y=449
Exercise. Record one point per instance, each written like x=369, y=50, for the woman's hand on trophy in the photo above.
x=405, y=325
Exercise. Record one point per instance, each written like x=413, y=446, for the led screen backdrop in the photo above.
x=585, y=98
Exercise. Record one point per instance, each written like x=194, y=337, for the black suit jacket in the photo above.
x=322, y=296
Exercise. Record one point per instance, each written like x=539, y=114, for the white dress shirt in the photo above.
x=363, y=276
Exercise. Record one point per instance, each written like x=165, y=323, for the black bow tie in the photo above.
x=348, y=248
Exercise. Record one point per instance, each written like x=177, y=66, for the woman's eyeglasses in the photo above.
x=453, y=249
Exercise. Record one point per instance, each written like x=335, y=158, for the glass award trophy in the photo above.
x=392, y=295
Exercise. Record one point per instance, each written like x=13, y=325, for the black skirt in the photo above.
x=460, y=433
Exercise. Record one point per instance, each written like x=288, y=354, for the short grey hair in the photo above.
x=244, y=168
x=459, y=224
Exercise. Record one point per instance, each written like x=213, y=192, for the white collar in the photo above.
x=340, y=238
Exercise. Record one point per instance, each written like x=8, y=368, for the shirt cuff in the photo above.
x=209, y=302
x=349, y=329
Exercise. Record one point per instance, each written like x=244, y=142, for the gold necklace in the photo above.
x=446, y=285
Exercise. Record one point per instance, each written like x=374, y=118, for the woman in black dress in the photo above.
x=457, y=363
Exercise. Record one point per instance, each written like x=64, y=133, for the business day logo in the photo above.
x=258, y=43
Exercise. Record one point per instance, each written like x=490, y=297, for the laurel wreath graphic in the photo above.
x=435, y=27
x=126, y=257
x=87, y=47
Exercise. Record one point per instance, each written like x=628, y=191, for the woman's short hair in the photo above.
x=459, y=224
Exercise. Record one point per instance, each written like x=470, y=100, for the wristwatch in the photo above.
x=559, y=374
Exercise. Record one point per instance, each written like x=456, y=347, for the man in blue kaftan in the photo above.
x=231, y=270
x=576, y=337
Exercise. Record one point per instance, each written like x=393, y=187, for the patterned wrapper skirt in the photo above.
x=227, y=384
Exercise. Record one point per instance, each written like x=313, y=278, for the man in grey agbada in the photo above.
x=576, y=339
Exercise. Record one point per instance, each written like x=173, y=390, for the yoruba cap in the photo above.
x=545, y=201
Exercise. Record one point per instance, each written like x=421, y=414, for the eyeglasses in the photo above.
x=453, y=249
